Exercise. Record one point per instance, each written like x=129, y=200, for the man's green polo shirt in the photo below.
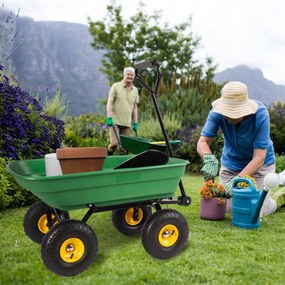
x=125, y=100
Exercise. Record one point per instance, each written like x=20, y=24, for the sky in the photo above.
x=232, y=32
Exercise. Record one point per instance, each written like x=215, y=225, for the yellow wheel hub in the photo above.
x=168, y=235
x=42, y=223
x=72, y=250
x=129, y=217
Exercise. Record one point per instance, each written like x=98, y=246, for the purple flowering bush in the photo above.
x=26, y=133
x=189, y=135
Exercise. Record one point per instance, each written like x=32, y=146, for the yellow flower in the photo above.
x=246, y=185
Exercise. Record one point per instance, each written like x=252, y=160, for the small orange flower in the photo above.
x=212, y=189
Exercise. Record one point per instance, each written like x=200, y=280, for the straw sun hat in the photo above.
x=234, y=102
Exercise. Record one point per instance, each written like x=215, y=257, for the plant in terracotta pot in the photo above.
x=213, y=201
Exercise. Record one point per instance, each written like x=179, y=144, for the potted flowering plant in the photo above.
x=213, y=201
x=211, y=189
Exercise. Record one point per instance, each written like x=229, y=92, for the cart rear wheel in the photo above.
x=36, y=221
x=165, y=234
x=69, y=248
x=131, y=220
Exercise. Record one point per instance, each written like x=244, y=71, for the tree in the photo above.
x=187, y=88
x=143, y=37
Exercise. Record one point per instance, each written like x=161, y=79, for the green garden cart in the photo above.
x=134, y=195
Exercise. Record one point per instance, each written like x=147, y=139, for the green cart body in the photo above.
x=108, y=187
x=137, y=145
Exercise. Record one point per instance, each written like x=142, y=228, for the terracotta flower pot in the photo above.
x=81, y=159
x=210, y=209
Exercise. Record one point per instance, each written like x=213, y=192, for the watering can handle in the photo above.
x=242, y=179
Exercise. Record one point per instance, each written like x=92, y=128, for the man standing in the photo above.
x=122, y=109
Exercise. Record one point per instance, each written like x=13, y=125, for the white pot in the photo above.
x=52, y=165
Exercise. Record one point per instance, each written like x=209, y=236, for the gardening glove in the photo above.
x=109, y=122
x=135, y=126
x=210, y=167
x=229, y=187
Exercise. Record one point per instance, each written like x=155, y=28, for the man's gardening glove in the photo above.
x=109, y=122
x=229, y=187
x=135, y=126
x=210, y=167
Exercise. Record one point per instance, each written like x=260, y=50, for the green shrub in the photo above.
x=12, y=195
x=5, y=199
x=280, y=163
x=150, y=128
x=86, y=130
x=277, y=126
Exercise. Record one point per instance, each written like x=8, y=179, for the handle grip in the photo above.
x=245, y=180
x=145, y=64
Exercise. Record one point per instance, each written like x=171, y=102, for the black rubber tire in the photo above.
x=35, y=221
x=165, y=234
x=124, y=222
x=76, y=236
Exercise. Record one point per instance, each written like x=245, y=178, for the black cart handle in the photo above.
x=153, y=92
x=185, y=200
x=145, y=64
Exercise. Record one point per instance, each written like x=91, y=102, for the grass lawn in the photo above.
x=216, y=253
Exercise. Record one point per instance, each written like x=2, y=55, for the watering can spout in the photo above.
x=257, y=208
x=271, y=181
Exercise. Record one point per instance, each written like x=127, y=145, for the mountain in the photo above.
x=44, y=54
x=47, y=53
x=259, y=88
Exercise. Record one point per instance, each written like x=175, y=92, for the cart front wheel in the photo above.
x=131, y=220
x=36, y=221
x=165, y=234
x=69, y=248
